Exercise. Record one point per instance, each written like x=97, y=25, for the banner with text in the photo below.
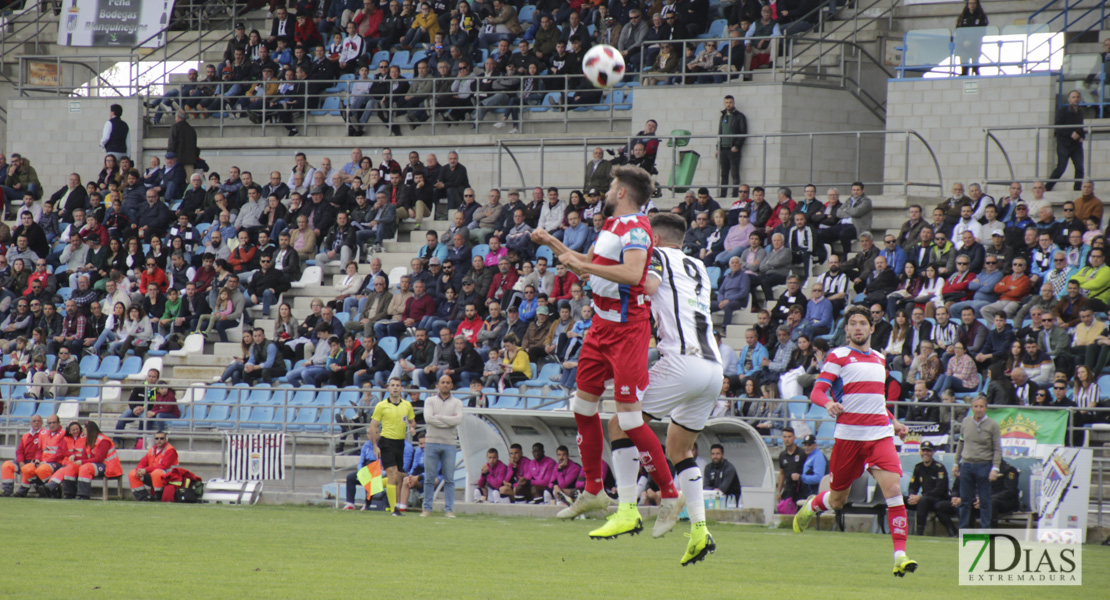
x=1065, y=489
x=1023, y=429
x=114, y=23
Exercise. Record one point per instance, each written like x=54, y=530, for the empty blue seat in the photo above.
x=22, y=411
x=400, y=59
x=545, y=252
x=544, y=376
x=417, y=56
x=405, y=343
x=130, y=366
x=379, y=56
x=332, y=106
x=526, y=14
x=107, y=367
x=714, y=275
x=389, y=346
x=716, y=29
x=480, y=250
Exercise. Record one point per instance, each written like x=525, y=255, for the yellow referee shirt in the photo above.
x=395, y=418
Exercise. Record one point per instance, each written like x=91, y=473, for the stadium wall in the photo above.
x=952, y=114
x=770, y=108
x=62, y=136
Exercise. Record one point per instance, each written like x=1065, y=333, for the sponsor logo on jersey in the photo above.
x=639, y=236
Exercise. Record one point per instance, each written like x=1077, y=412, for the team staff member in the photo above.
x=929, y=491
x=390, y=422
x=27, y=454
x=792, y=461
x=66, y=477
x=152, y=469
x=55, y=451
x=99, y=459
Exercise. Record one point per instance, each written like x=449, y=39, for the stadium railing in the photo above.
x=677, y=144
x=1044, y=155
x=1011, y=50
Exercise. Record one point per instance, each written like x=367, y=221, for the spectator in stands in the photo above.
x=1011, y=290
x=752, y=357
x=734, y=290
x=142, y=399
x=414, y=361
x=314, y=372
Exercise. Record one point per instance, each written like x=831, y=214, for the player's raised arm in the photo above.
x=542, y=237
x=629, y=272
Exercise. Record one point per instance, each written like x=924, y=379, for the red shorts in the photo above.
x=616, y=351
x=850, y=456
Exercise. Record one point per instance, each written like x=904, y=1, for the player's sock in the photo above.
x=689, y=479
x=896, y=519
x=626, y=465
x=591, y=441
x=651, y=451
x=391, y=494
x=818, y=503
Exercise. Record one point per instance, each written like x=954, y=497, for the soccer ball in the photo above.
x=603, y=66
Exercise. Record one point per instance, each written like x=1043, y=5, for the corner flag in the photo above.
x=370, y=477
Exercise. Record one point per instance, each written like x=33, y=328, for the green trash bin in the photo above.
x=679, y=137
x=683, y=172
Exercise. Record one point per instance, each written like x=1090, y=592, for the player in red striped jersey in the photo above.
x=855, y=377
x=616, y=347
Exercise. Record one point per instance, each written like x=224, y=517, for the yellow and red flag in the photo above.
x=370, y=477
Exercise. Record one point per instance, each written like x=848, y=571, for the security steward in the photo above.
x=928, y=491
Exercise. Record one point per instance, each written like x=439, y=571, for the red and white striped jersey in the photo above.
x=858, y=383
x=621, y=303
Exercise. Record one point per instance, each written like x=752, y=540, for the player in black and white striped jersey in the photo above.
x=686, y=380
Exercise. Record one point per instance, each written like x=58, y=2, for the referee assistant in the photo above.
x=392, y=419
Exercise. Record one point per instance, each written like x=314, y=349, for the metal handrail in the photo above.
x=990, y=137
x=40, y=23
x=97, y=81
x=1026, y=65
x=887, y=13
x=676, y=143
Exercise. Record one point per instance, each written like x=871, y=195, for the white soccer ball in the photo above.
x=603, y=66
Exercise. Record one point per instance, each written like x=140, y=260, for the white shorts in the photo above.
x=685, y=388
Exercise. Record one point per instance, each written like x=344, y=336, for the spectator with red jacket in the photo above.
x=958, y=283
x=503, y=282
x=564, y=279
x=305, y=33
x=471, y=325
x=368, y=20
x=152, y=470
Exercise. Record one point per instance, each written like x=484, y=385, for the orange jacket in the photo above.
x=163, y=459
x=1014, y=289
x=76, y=449
x=54, y=448
x=29, y=448
x=104, y=452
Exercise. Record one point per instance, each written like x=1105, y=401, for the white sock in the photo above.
x=494, y=496
x=626, y=465
x=689, y=481
x=899, y=553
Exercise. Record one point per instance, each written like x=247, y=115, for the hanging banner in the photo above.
x=1065, y=489
x=1022, y=429
x=921, y=433
x=114, y=23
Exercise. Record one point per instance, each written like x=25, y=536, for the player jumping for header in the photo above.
x=616, y=345
x=865, y=431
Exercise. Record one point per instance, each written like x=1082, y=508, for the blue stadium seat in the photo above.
x=716, y=29
x=131, y=365
x=1104, y=387
x=555, y=394
x=400, y=59
x=417, y=56
x=714, y=275
x=526, y=14
x=544, y=376
x=480, y=250
x=389, y=346
x=22, y=411
x=379, y=56
x=545, y=252
x=89, y=392
x=45, y=409
x=65, y=293
x=405, y=343
x=259, y=396
x=623, y=101
x=107, y=367
x=332, y=106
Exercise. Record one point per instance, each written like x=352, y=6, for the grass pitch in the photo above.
x=67, y=549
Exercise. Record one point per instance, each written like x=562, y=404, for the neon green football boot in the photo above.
x=625, y=521
x=904, y=564
x=701, y=544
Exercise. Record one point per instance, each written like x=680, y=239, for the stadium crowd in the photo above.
x=403, y=59
x=136, y=260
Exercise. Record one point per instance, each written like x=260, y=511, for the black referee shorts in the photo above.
x=393, y=452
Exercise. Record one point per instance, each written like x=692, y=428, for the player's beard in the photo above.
x=860, y=339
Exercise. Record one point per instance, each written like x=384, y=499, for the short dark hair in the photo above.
x=116, y=109
x=718, y=446
x=636, y=181
x=516, y=447
x=669, y=226
x=788, y=429
x=858, y=310
x=562, y=448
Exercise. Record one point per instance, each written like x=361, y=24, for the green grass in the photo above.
x=56, y=549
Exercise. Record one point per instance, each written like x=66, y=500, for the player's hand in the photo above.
x=993, y=476
x=541, y=236
x=956, y=470
x=485, y=469
x=572, y=261
x=834, y=409
x=901, y=430
x=913, y=499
